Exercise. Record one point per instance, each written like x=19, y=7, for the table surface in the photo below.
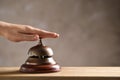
x=65, y=72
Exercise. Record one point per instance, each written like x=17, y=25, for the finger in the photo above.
x=40, y=32
x=45, y=34
x=25, y=37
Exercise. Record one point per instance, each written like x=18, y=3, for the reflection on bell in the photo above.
x=40, y=60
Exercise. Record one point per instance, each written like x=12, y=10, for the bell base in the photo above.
x=26, y=68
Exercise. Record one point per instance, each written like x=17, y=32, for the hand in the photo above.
x=17, y=33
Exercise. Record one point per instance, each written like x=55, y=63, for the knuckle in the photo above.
x=28, y=28
x=14, y=39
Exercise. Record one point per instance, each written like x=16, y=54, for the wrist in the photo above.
x=3, y=27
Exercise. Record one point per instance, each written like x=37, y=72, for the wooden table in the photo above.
x=67, y=73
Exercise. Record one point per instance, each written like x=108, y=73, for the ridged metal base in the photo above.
x=25, y=68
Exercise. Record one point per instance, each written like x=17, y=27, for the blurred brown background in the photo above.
x=89, y=30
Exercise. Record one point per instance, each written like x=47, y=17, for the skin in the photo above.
x=18, y=33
